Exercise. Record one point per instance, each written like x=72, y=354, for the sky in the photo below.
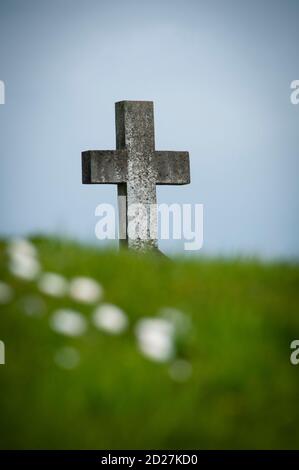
x=219, y=73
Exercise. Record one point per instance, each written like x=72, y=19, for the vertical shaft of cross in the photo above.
x=135, y=134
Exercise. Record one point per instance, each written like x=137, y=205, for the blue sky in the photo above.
x=219, y=73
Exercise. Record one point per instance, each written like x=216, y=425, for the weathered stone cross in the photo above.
x=136, y=167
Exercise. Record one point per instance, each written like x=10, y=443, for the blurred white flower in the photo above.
x=6, y=293
x=179, y=319
x=110, y=318
x=68, y=322
x=23, y=259
x=85, y=289
x=155, y=338
x=24, y=267
x=23, y=247
x=180, y=370
x=33, y=305
x=53, y=284
x=67, y=358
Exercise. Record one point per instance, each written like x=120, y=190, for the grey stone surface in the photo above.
x=104, y=166
x=172, y=167
x=136, y=168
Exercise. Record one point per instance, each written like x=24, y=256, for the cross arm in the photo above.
x=172, y=167
x=104, y=166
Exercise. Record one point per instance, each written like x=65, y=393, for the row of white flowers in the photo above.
x=155, y=336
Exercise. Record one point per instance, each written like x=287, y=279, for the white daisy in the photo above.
x=68, y=322
x=6, y=293
x=20, y=246
x=24, y=266
x=85, y=289
x=23, y=259
x=180, y=370
x=33, y=305
x=110, y=318
x=67, y=358
x=155, y=338
x=180, y=320
x=53, y=284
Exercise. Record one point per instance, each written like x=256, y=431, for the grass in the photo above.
x=243, y=392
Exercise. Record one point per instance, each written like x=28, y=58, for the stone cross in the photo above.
x=136, y=167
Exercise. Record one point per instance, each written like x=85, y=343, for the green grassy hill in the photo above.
x=229, y=382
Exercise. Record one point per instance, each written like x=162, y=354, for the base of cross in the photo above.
x=143, y=247
x=155, y=252
x=161, y=254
